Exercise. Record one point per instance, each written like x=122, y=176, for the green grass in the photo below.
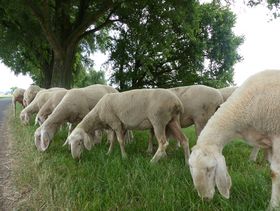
x=54, y=181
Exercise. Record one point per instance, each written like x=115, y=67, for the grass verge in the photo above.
x=54, y=181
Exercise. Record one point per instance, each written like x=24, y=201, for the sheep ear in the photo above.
x=222, y=178
x=87, y=141
x=45, y=141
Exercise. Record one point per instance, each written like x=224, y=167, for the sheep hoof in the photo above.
x=124, y=156
x=158, y=156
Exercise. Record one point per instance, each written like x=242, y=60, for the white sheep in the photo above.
x=40, y=99
x=141, y=109
x=49, y=106
x=200, y=103
x=30, y=94
x=73, y=107
x=226, y=93
x=253, y=113
x=17, y=97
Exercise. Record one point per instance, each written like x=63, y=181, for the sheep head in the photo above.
x=208, y=168
x=24, y=117
x=43, y=138
x=78, y=140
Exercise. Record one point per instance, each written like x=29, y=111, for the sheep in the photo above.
x=30, y=94
x=226, y=93
x=200, y=103
x=73, y=107
x=252, y=112
x=17, y=97
x=142, y=109
x=40, y=99
x=49, y=106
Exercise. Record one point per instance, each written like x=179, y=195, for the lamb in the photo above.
x=252, y=112
x=200, y=103
x=30, y=94
x=49, y=106
x=142, y=109
x=73, y=107
x=17, y=97
x=40, y=99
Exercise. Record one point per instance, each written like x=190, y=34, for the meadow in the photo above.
x=54, y=181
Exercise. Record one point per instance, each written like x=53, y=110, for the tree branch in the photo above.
x=42, y=17
x=89, y=20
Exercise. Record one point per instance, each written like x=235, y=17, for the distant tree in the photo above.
x=175, y=45
x=89, y=77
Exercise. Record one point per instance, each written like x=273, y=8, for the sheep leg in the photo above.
x=120, y=136
x=254, y=153
x=162, y=143
x=111, y=137
x=150, y=142
x=275, y=174
x=199, y=125
x=178, y=134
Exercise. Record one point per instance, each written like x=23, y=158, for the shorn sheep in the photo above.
x=253, y=113
x=200, y=103
x=30, y=94
x=156, y=109
x=49, y=106
x=74, y=106
x=40, y=99
x=226, y=93
x=17, y=97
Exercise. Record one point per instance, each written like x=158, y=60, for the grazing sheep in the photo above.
x=73, y=107
x=17, y=97
x=253, y=113
x=30, y=94
x=226, y=93
x=200, y=103
x=40, y=99
x=49, y=106
x=142, y=109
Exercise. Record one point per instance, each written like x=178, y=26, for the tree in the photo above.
x=20, y=49
x=65, y=24
x=174, y=45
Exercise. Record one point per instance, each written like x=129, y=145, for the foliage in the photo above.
x=54, y=181
x=173, y=53
x=89, y=77
x=174, y=45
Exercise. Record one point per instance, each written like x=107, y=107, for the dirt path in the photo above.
x=7, y=195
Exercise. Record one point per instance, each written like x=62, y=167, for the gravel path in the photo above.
x=6, y=198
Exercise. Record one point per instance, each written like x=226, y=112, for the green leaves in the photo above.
x=167, y=43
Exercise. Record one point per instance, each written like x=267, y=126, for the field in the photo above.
x=54, y=181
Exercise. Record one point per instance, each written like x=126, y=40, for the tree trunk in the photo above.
x=62, y=68
x=47, y=77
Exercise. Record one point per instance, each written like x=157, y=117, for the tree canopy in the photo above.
x=158, y=43
x=175, y=45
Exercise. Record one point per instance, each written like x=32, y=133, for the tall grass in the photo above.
x=54, y=181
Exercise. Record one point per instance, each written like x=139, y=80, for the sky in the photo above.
x=260, y=49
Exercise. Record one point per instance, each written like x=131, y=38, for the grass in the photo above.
x=54, y=181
